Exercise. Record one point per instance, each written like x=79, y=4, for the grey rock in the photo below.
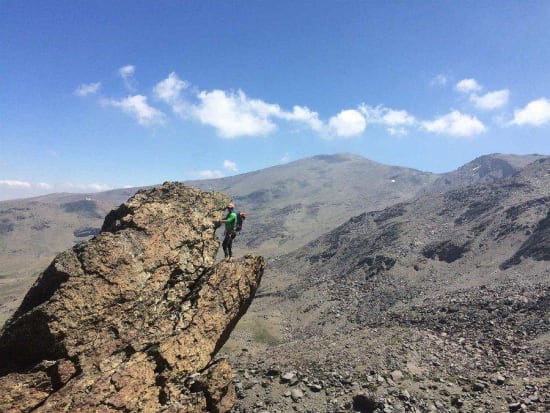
x=396, y=375
x=288, y=377
x=296, y=394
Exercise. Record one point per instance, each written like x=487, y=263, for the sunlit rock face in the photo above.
x=132, y=319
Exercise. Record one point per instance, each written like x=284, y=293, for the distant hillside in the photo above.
x=434, y=245
x=440, y=301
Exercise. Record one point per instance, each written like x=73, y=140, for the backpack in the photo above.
x=241, y=216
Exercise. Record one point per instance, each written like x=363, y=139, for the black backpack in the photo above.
x=240, y=219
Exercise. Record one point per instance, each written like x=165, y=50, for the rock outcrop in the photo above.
x=132, y=319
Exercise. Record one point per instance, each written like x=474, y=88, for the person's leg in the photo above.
x=230, y=245
x=226, y=239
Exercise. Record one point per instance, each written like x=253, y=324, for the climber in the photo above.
x=230, y=222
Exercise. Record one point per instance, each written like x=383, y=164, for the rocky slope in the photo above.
x=132, y=319
x=438, y=304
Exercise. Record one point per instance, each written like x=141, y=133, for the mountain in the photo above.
x=440, y=303
x=287, y=205
x=132, y=319
x=485, y=169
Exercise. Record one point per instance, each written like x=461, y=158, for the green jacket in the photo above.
x=231, y=221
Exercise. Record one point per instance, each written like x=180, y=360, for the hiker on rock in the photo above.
x=230, y=222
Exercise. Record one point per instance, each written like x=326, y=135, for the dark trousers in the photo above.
x=228, y=243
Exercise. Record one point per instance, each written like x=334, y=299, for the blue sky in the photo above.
x=105, y=94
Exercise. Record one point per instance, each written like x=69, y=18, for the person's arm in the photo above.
x=226, y=219
x=230, y=218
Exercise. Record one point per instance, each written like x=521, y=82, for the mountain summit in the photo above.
x=132, y=319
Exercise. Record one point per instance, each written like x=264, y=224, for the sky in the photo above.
x=96, y=95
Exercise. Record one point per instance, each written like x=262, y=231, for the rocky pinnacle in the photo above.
x=132, y=319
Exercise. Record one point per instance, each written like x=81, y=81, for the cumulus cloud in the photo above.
x=396, y=121
x=386, y=116
x=210, y=174
x=535, y=113
x=169, y=89
x=455, y=124
x=15, y=184
x=86, y=89
x=44, y=185
x=230, y=166
x=305, y=115
x=232, y=114
x=439, y=80
x=348, y=123
x=138, y=107
x=468, y=85
x=491, y=100
x=127, y=74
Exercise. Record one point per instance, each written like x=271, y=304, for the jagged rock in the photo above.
x=289, y=377
x=132, y=319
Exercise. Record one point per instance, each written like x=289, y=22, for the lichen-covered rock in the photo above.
x=131, y=320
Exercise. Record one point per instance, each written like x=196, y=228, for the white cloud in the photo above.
x=396, y=121
x=347, y=123
x=536, y=113
x=398, y=117
x=303, y=114
x=455, y=124
x=491, y=100
x=15, y=184
x=233, y=114
x=386, y=116
x=285, y=158
x=169, y=89
x=44, y=185
x=127, y=74
x=127, y=71
x=86, y=89
x=467, y=86
x=439, y=80
x=94, y=187
x=397, y=131
x=138, y=107
x=210, y=174
x=230, y=166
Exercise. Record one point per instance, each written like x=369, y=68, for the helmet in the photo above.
x=243, y=215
